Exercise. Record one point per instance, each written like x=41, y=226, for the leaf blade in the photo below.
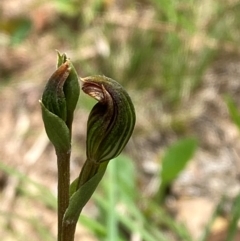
x=176, y=158
x=79, y=199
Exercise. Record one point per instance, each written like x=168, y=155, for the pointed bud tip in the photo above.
x=61, y=74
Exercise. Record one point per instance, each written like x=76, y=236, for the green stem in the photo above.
x=63, y=161
x=68, y=231
x=68, y=227
x=93, y=173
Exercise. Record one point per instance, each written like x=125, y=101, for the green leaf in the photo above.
x=126, y=176
x=112, y=196
x=56, y=129
x=43, y=194
x=132, y=223
x=176, y=158
x=216, y=213
x=233, y=111
x=79, y=199
x=233, y=225
x=19, y=29
x=73, y=187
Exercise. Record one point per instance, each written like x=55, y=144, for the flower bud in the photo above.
x=111, y=121
x=53, y=96
x=58, y=103
x=71, y=88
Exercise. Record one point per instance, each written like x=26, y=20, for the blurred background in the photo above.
x=179, y=60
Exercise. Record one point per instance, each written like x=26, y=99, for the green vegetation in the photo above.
x=155, y=48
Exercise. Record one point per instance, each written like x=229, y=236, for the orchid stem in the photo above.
x=63, y=161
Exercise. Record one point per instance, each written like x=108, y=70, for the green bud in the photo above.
x=71, y=88
x=58, y=103
x=111, y=121
x=53, y=96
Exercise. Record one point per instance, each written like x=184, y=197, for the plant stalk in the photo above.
x=63, y=162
